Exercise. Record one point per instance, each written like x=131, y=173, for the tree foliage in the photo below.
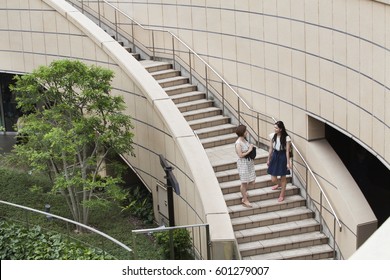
x=72, y=124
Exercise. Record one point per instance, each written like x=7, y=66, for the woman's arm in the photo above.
x=270, y=150
x=239, y=150
x=288, y=147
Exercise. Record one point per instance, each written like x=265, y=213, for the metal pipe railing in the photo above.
x=199, y=226
x=49, y=215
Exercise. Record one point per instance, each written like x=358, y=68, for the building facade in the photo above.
x=323, y=67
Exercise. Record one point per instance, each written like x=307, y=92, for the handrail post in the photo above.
x=173, y=53
x=208, y=242
x=321, y=218
x=134, y=246
x=238, y=110
x=258, y=128
x=132, y=36
x=223, y=99
x=99, y=19
x=27, y=220
x=153, y=50
x=334, y=238
x=307, y=184
x=190, y=64
x=82, y=6
x=116, y=26
x=207, y=83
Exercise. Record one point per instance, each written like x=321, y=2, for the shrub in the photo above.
x=19, y=243
x=140, y=204
x=182, y=244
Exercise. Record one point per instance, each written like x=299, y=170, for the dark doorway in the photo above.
x=369, y=173
x=9, y=114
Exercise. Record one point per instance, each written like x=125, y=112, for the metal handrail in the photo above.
x=159, y=229
x=163, y=228
x=238, y=111
x=69, y=221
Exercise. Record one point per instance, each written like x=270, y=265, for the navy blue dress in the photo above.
x=278, y=162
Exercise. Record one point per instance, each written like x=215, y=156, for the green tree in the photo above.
x=72, y=124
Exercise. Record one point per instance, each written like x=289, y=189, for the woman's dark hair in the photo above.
x=240, y=130
x=283, y=135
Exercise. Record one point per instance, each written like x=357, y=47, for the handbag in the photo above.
x=252, y=154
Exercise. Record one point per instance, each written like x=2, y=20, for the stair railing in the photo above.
x=50, y=216
x=143, y=40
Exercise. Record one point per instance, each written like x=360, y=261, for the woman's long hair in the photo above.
x=283, y=135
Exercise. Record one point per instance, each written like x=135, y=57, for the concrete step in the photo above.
x=166, y=73
x=128, y=49
x=260, y=159
x=195, y=105
x=202, y=113
x=232, y=174
x=173, y=81
x=271, y=218
x=215, y=130
x=218, y=140
x=179, y=89
x=260, y=182
x=153, y=66
x=225, y=158
x=264, y=206
x=282, y=243
x=316, y=252
x=137, y=56
x=209, y=122
x=187, y=97
x=259, y=194
x=276, y=230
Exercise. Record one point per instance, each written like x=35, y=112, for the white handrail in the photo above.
x=69, y=221
x=158, y=229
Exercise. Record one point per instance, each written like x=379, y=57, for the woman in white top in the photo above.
x=279, y=158
x=245, y=167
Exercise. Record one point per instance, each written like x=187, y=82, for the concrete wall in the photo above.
x=376, y=247
x=292, y=59
x=36, y=32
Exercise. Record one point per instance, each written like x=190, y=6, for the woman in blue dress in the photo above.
x=278, y=162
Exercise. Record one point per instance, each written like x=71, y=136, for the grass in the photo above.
x=16, y=186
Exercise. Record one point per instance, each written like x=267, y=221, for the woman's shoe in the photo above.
x=281, y=198
x=275, y=187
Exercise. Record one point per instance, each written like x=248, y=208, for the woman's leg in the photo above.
x=243, y=189
x=283, y=183
x=274, y=180
x=251, y=185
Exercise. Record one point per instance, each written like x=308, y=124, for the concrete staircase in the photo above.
x=270, y=230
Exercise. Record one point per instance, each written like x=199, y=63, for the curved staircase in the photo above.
x=269, y=230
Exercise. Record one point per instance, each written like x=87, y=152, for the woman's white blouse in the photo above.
x=277, y=142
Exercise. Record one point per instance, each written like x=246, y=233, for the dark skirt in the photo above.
x=278, y=164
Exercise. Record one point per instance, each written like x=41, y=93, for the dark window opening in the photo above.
x=369, y=173
x=9, y=114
